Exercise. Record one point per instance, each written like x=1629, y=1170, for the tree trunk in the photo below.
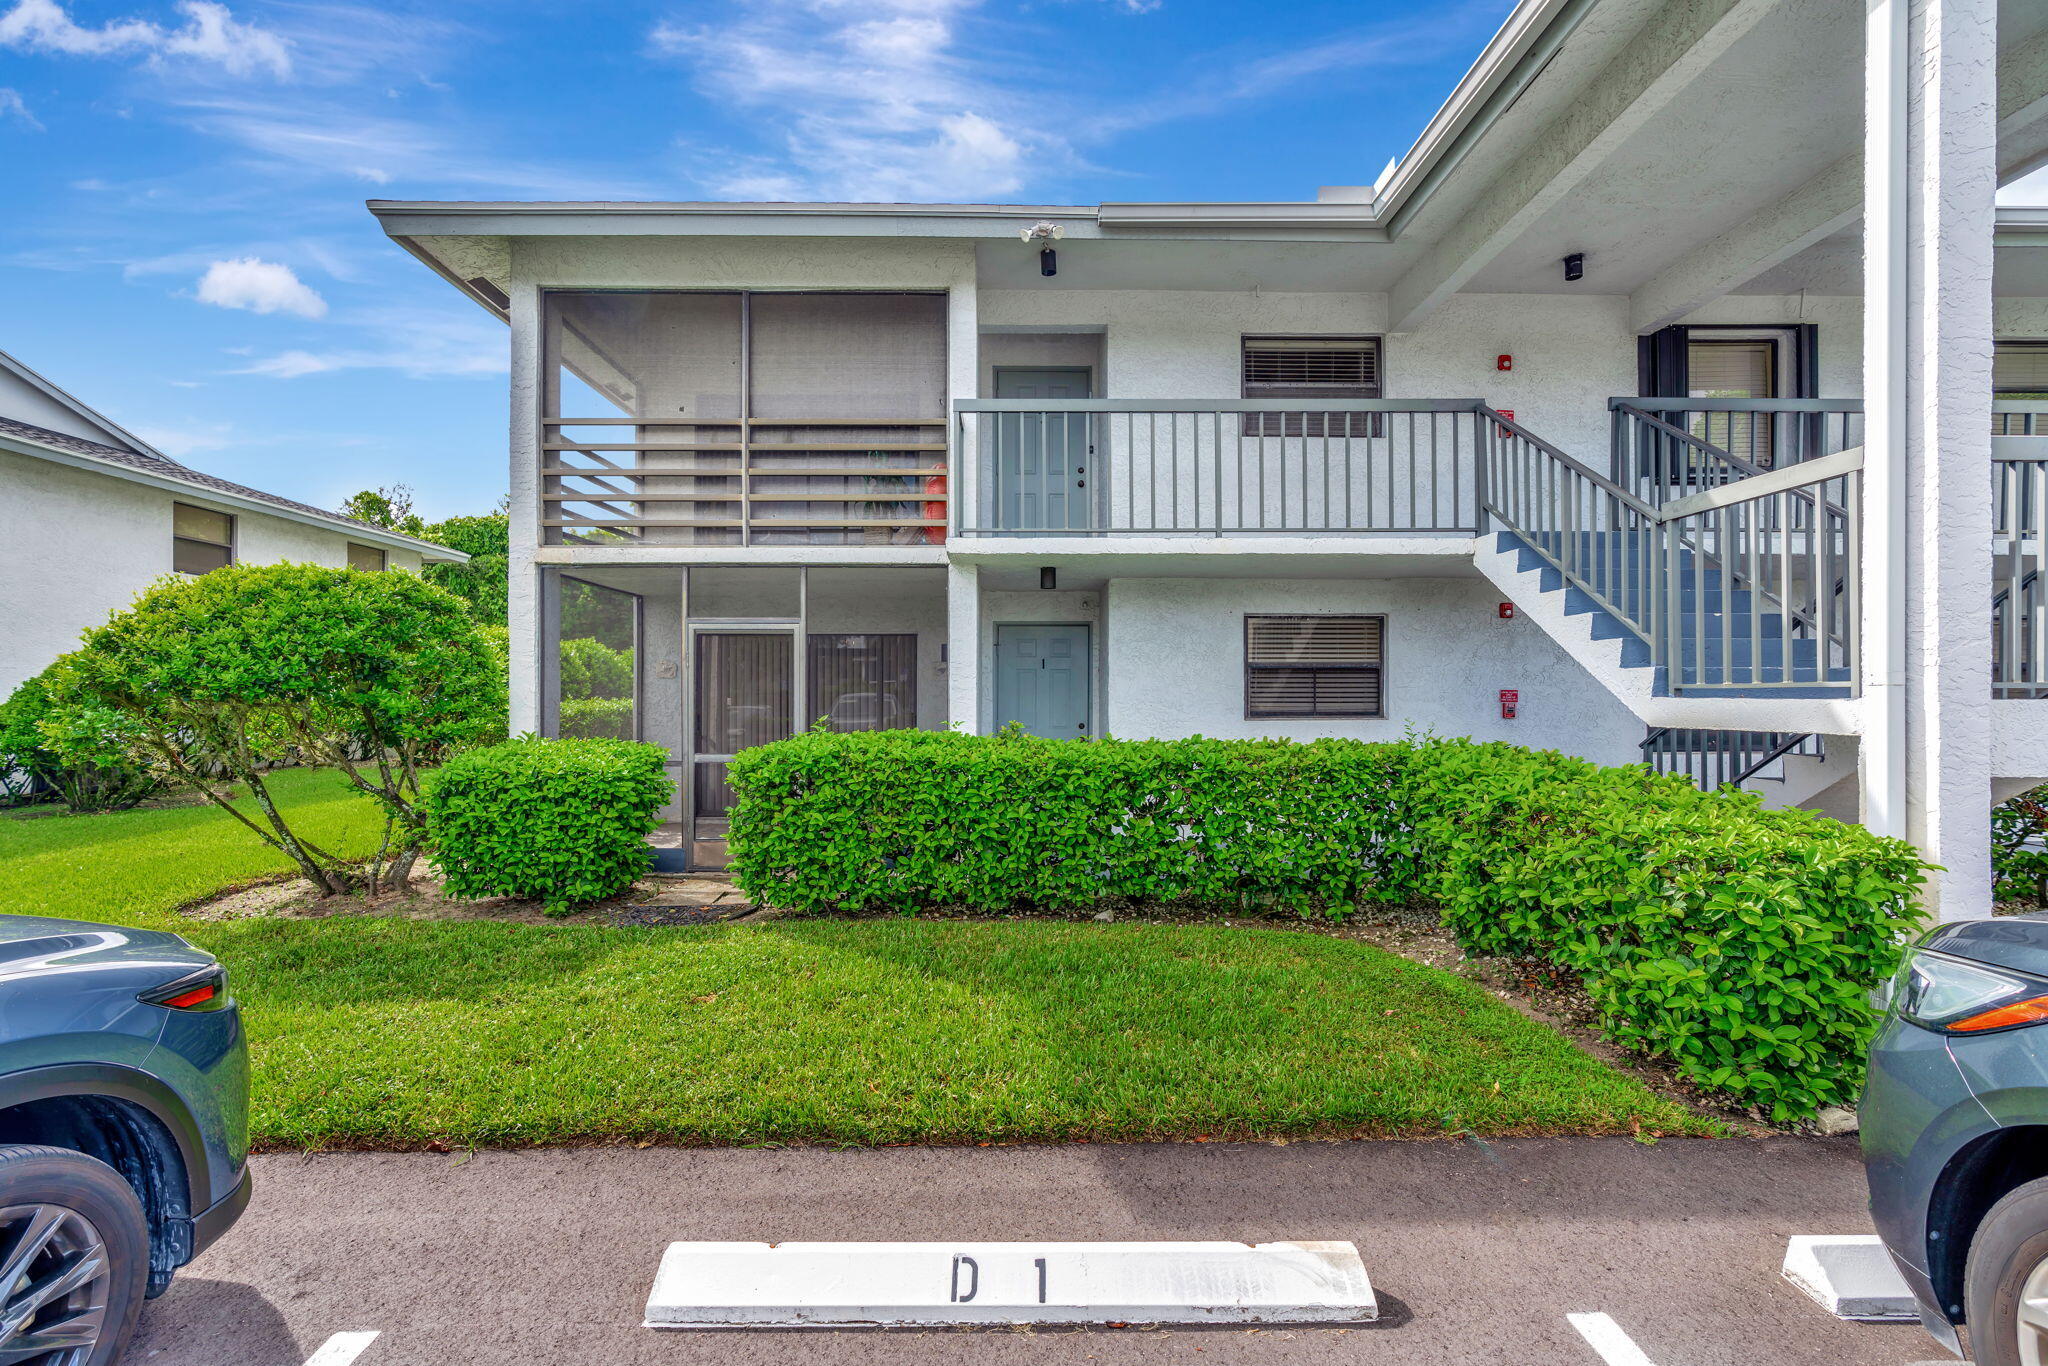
x=323, y=879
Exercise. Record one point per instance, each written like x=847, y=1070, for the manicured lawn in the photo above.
x=383, y=1031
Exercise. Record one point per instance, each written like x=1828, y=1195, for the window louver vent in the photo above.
x=2020, y=368
x=1313, y=666
x=1311, y=367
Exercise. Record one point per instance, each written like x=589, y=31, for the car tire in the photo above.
x=2008, y=1262
x=82, y=1212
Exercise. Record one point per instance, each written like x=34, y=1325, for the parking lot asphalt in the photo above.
x=1478, y=1250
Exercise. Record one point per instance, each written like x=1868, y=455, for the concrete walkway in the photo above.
x=1478, y=1251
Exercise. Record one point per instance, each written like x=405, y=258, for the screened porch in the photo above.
x=708, y=661
x=736, y=418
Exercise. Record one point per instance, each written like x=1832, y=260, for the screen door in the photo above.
x=742, y=697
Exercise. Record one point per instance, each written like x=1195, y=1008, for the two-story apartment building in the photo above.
x=1645, y=408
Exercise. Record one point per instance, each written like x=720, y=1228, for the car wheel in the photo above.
x=74, y=1256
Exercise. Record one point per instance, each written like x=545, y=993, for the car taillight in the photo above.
x=1959, y=997
x=206, y=989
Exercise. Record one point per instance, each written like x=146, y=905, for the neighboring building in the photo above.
x=90, y=515
x=1601, y=346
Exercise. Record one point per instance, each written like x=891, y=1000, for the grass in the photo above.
x=388, y=1032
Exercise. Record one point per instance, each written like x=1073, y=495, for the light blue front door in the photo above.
x=1042, y=459
x=1042, y=679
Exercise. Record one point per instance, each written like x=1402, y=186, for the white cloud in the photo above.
x=333, y=137
x=871, y=101
x=417, y=343
x=12, y=106
x=260, y=287
x=210, y=34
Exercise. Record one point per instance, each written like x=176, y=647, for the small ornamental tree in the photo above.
x=220, y=678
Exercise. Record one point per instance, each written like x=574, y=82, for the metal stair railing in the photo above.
x=2019, y=551
x=1687, y=440
x=1775, y=551
x=1714, y=758
x=1778, y=553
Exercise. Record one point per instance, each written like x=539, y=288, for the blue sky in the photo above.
x=185, y=245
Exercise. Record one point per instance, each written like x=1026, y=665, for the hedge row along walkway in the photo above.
x=383, y=1031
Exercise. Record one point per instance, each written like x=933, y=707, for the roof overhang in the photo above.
x=91, y=415
x=206, y=493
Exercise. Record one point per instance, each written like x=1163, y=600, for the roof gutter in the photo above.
x=2022, y=226
x=361, y=531
x=1510, y=63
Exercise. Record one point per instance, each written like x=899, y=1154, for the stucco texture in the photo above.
x=1176, y=664
x=76, y=546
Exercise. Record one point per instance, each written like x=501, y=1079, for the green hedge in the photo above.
x=1737, y=942
x=913, y=819
x=597, y=718
x=562, y=822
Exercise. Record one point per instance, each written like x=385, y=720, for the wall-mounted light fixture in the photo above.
x=1045, y=234
x=1575, y=266
x=1048, y=577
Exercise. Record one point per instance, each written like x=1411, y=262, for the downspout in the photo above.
x=1887, y=70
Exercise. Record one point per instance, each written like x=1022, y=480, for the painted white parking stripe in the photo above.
x=737, y=1285
x=341, y=1349
x=1615, y=1347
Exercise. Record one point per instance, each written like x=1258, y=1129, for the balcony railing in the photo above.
x=2019, y=553
x=1147, y=467
x=744, y=481
x=2019, y=417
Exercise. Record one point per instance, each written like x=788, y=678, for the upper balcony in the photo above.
x=1094, y=468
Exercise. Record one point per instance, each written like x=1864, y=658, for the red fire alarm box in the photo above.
x=1510, y=699
x=1503, y=362
x=1507, y=611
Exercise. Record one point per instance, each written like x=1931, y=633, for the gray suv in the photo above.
x=1955, y=1134
x=124, y=1100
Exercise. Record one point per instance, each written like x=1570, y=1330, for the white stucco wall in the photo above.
x=77, y=546
x=1175, y=664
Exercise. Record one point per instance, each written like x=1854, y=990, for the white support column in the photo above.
x=1929, y=144
x=963, y=647
x=522, y=607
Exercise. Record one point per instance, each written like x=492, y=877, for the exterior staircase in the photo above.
x=1718, y=606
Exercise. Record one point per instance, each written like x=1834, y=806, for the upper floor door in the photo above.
x=1042, y=459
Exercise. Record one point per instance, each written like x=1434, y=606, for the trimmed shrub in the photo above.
x=597, y=718
x=1737, y=942
x=914, y=819
x=591, y=668
x=562, y=822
